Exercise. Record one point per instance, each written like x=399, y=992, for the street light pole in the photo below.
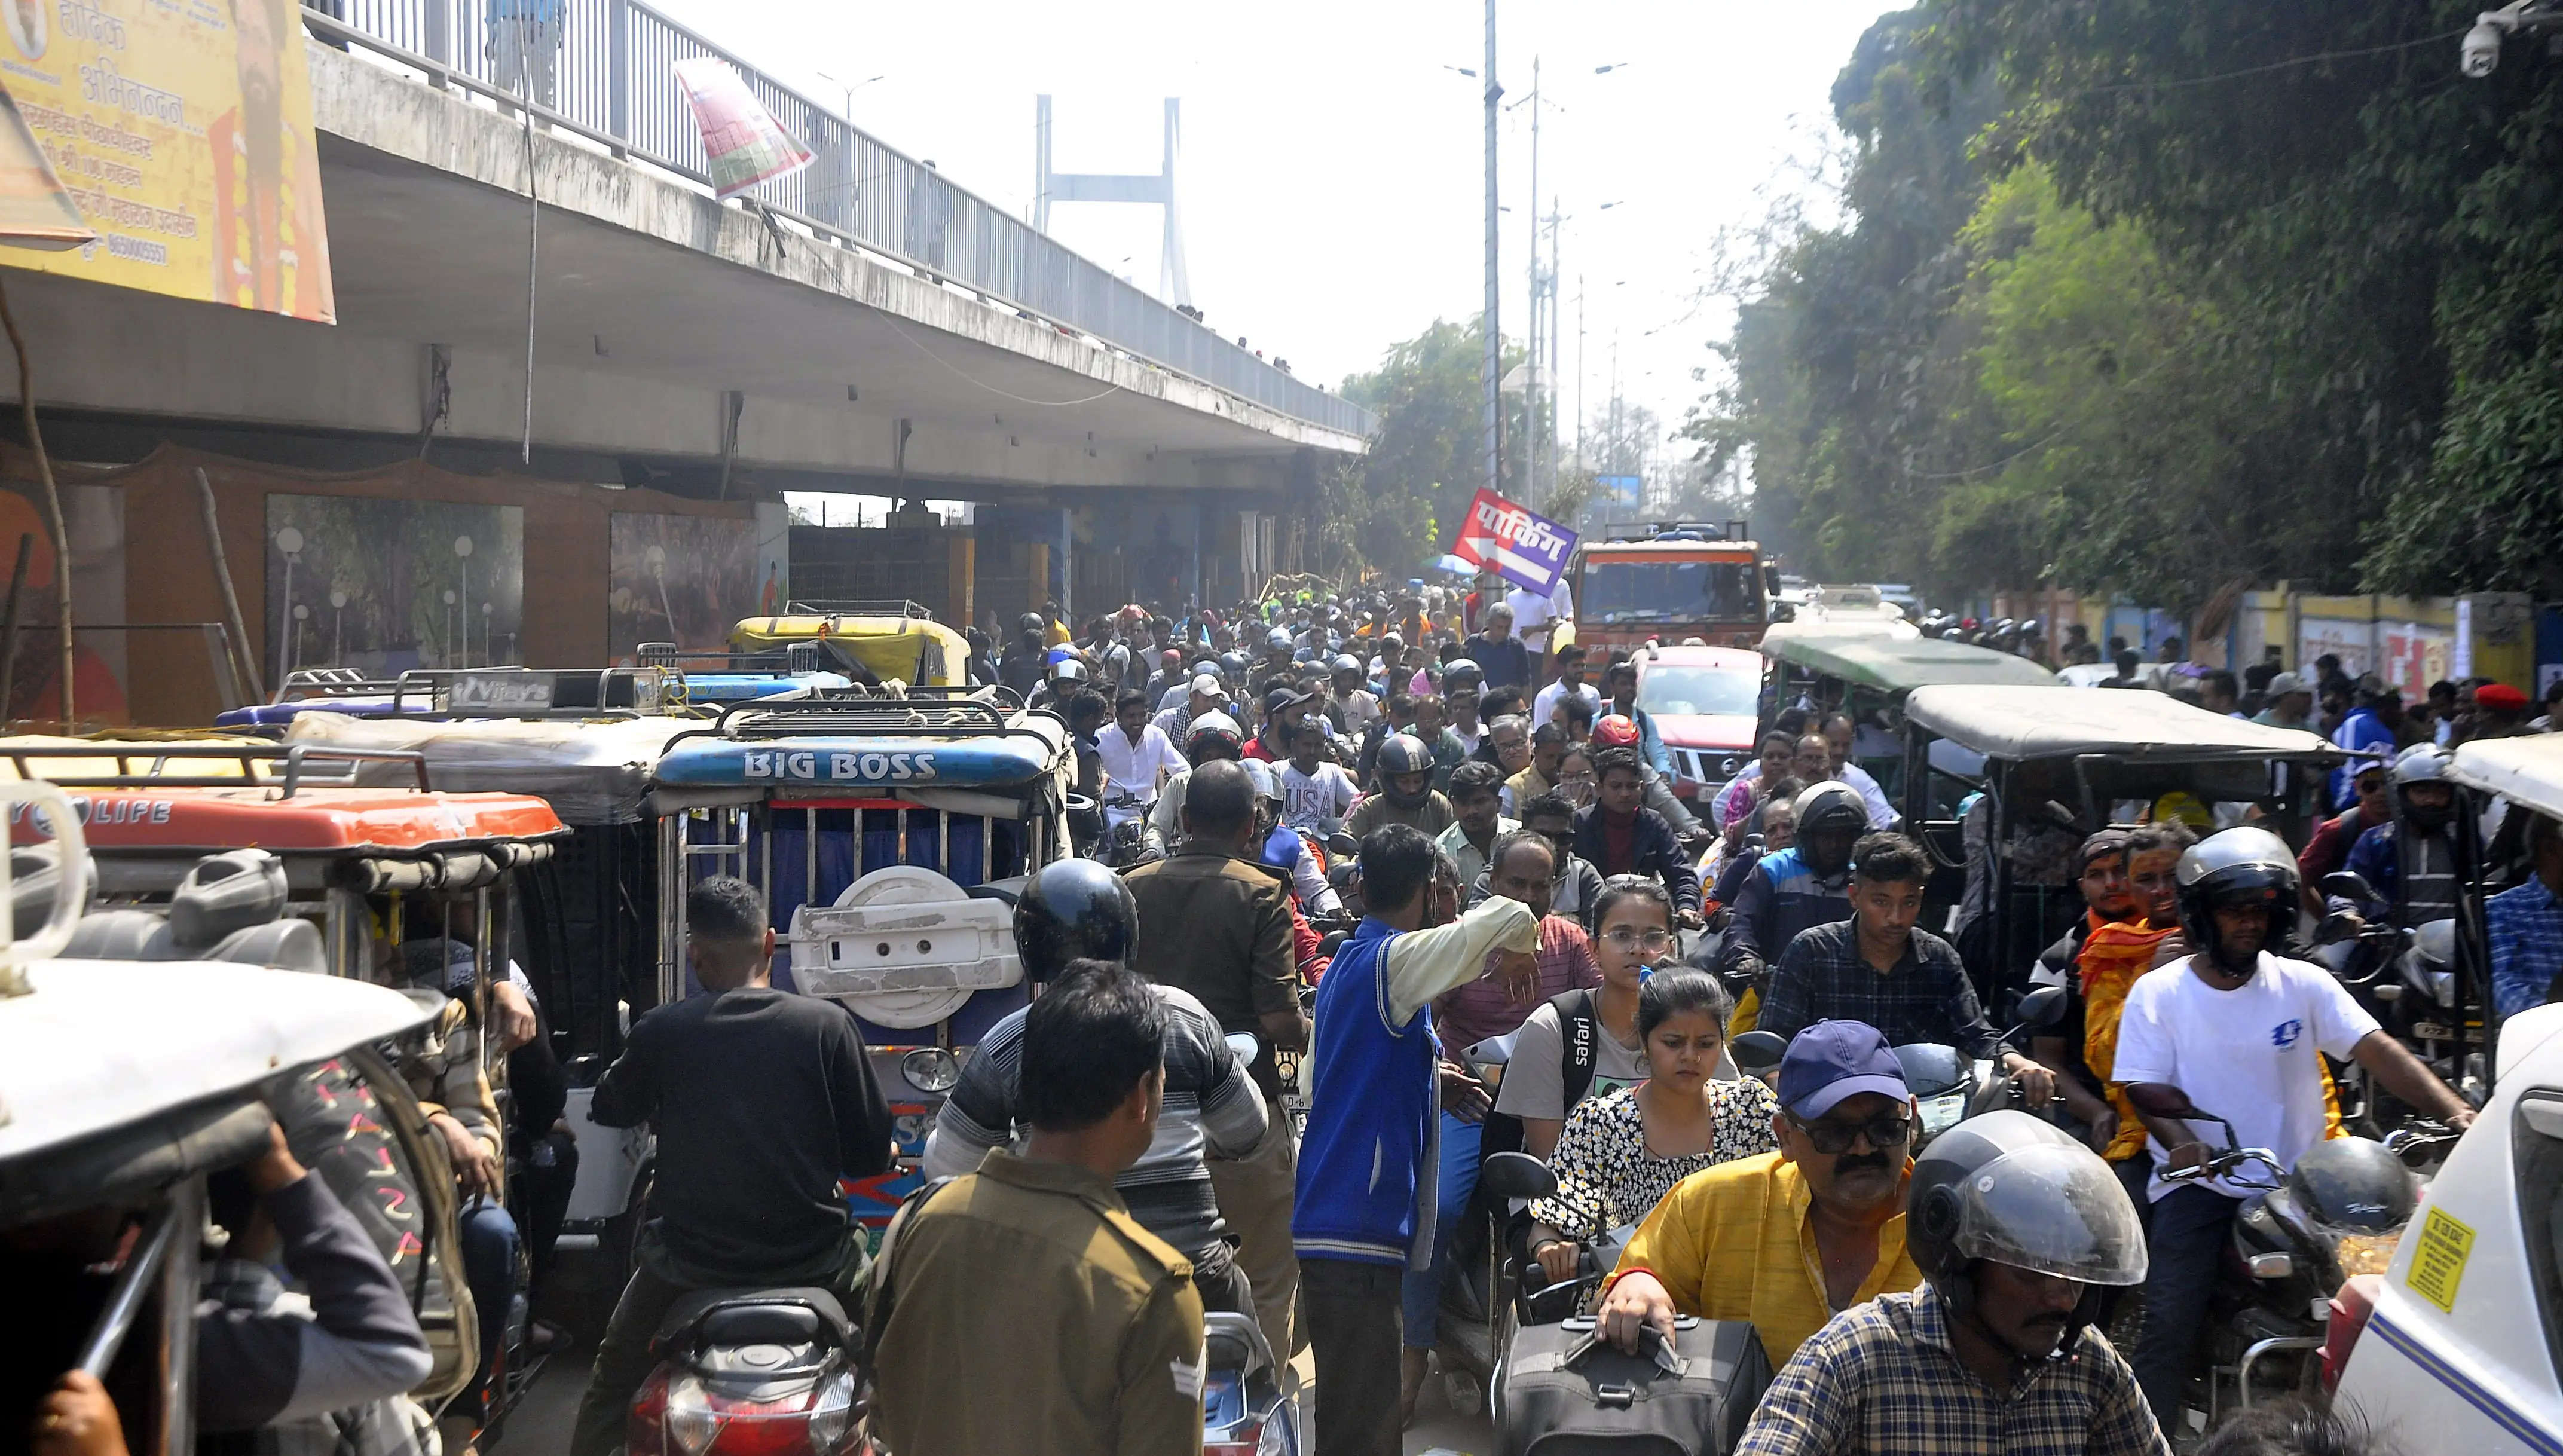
x=1493, y=421
x=1530, y=356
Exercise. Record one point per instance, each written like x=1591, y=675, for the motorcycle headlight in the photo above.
x=2366, y=1253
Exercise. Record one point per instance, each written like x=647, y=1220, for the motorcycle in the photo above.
x=2337, y=1215
x=2407, y=980
x=752, y=1373
x=1947, y=1084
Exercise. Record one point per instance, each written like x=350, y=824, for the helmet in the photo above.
x=1073, y=910
x=1345, y=663
x=1827, y=814
x=2010, y=1188
x=1209, y=666
x=2354, y=1185
x=1401, y=755
x=1616, y=732
x=2420, y=763
x=1068, y=670
x=1465, y=673
x=2237, y=866
x=1277, y=640
x=1214, y=733
x=1268, y=785
x=1028, y=622
x=1233, y=666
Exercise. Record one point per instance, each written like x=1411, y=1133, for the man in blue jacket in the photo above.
x=1370, y=1155
x=1619, y=835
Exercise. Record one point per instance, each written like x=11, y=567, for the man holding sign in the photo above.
x=1527, y=549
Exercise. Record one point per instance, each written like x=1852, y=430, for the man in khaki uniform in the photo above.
x=1031, y=1269
x=1215, y=922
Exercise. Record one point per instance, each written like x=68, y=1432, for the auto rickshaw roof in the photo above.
x=872, y=744
x=2527, y=770
x=593, y=772
x=2023, y=722
x=1890, y=664
x=1814, y=622
x=97, y=1045
x=290, y=799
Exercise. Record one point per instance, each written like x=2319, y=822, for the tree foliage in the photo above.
x=2162, y=295
x=1397, y=506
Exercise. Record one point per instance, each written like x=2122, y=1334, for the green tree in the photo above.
x=1397, y=506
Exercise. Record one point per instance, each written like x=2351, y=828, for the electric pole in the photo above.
x=1531, y=355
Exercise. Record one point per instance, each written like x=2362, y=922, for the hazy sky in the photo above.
x=1333, y=171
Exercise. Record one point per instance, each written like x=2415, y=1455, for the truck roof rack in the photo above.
x=792, y=657
x=1703, y=531
x=287, y=767
x=858, y=711
x=856, y=607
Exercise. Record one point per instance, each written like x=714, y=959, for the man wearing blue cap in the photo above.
x=1745, y=1240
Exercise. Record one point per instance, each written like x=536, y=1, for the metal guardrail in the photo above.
x=617, y=86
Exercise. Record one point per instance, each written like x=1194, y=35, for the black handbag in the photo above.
x=1564, y=1391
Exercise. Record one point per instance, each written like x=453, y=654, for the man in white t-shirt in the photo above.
x=2235, y=1031
x=1570, y=682
x=1316, y=796
x=1533, y=614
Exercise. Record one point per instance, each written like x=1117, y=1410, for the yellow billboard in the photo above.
x=181, y=129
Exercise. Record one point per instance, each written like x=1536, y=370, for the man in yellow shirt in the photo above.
x=1787, y=1239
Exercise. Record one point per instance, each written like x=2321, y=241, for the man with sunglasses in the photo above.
x=1787, y=1239
x=1880, y=968
x=1574, y=885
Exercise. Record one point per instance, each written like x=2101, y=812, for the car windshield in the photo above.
x=1683, y=692
x=1669, y=591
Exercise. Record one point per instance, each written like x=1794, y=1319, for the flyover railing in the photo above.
x=616, y=84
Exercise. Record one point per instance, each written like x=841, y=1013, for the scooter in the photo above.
x=1948, y=1085
x=2407, y=980
x=752, y=1373
x=1245, y=1410
x=2338, y=1214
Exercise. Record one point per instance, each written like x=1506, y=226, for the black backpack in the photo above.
x=1579, y=1027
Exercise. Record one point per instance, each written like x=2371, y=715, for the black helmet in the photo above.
x=1401, y=755
x=2236, y=867
x=1234, y=665
x=1463, y=674
x=1830, y=819
x=1028, y=622
x=2353, y=1185
x=2013, y=1189
x=1074, y=910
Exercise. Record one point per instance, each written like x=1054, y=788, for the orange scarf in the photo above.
x=2113, y=957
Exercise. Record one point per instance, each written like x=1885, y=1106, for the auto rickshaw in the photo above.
x=874, y=642
x=889, y=834
x=275, y=855
x=1868, y=673
x=2071, y=761
x=124, y=1083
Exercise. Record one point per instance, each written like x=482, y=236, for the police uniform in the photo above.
x=1022, y=1310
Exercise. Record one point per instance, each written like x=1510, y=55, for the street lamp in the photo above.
x=847, y=106
x=1614, y=66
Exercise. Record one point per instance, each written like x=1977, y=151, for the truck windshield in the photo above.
x=1668, y=591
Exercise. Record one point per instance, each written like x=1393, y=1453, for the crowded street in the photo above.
x=1866, y=760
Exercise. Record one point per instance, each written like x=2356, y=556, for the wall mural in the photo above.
x=686, y=579
x=388, y=585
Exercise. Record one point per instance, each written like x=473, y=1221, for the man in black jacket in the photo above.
x=1619, y=835
x=762, y=1100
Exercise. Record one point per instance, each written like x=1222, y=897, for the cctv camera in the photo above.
x=2482, y=49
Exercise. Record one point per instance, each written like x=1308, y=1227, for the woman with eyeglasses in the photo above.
x=1575, y=776
x=1586, y=1043
x=1622, y=1153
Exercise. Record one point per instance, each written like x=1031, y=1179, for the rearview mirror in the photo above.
x=2043, y=1009
x=1758, y=1051
x=1343, y=846
x=2349, y=884
x=1516, y=1176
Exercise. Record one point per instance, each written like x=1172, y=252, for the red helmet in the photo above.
x=1615, y=732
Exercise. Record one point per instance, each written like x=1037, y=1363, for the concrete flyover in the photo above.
x=677, y=340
